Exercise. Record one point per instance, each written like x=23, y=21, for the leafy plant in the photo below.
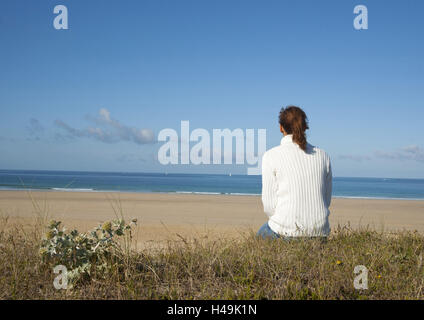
x=85, y=253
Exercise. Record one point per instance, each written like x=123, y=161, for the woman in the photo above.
x=296, y=183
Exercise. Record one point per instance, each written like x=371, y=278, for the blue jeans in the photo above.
x=266, y=232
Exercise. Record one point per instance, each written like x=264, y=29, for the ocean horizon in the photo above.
x=90, y=181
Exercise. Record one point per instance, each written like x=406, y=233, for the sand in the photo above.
x=163, y=217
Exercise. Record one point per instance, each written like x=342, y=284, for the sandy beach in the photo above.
x=163, y=217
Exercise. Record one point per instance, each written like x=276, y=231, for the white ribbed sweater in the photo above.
x=296, y=189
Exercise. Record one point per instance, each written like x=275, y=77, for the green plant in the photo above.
x=85, y=253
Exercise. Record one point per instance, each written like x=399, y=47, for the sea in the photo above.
x=72, y=181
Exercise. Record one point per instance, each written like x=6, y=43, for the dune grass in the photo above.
x=242, y=268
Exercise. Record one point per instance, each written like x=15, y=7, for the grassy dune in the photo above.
x=246, y=268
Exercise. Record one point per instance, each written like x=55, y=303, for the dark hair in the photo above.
x=294, y=121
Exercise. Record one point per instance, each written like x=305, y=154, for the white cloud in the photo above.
x=408, y=153
x=109, y=130
x=35, y=130
x=412, y=152
x=354, y=157
x=35, y=126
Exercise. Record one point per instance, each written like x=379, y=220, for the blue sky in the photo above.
x=219, y=64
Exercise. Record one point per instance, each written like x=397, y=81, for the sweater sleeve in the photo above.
x=269, y=186
x=328, y=184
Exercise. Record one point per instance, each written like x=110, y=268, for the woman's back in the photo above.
x=296, y=181
x=297, y=189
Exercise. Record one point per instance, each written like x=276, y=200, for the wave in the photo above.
x=18, y=188
x=74, y=189
x=244, y=194
x=377, y=198
x=215, y=193
x=197, y=192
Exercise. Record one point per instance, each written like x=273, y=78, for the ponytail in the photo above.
x=299, y=135
x=294, y=121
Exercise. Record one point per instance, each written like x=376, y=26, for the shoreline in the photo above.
x=64, y=190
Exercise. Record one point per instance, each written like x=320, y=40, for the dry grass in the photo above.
x=247, y=268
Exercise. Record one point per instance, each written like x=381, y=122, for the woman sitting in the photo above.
x=296, y=183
